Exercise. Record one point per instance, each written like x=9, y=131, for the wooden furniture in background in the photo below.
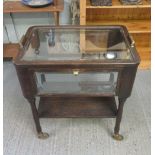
x=135, y=17
x=10, y=49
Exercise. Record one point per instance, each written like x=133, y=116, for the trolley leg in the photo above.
x=116, y=135
x=41, y=134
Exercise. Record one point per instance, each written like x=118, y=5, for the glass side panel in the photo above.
x=83, y=83
x=77, y=44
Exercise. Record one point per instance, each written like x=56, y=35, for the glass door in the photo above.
x=76, y=83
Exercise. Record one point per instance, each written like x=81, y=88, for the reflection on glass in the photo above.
x=76, y=44
x=83, y=83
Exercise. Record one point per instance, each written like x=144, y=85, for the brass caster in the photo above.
x=118, y=137
x=43, y=135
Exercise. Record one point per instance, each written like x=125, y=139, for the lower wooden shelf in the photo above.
x=77, y=107
x=10, y=50
x=134, y=26
x=145, y=55
x=145, y=64
x=143, y=45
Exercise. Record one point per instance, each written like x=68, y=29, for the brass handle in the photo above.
x=132, y=41
x=76, y=73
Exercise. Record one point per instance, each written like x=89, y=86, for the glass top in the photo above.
x=56, y=43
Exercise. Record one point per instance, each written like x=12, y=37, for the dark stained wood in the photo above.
x=35, y=42
x=35, y=114
x=72, y=105
x=77, y=107
x=30, y=31
x=119, y=115
x=127, y=79
x=26, y=82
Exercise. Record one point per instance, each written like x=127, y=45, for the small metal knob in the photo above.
x=76, y=73
x=132, y=41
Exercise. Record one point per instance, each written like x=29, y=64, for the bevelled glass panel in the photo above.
x=82, y=83
x=77, y=44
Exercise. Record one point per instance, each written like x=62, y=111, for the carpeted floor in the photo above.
x=76, y=136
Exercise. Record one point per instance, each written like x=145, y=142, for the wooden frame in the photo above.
x=126, y=74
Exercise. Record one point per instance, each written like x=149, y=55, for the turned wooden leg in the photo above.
x=41, y=134
x=56, y=17
x=116, y=135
